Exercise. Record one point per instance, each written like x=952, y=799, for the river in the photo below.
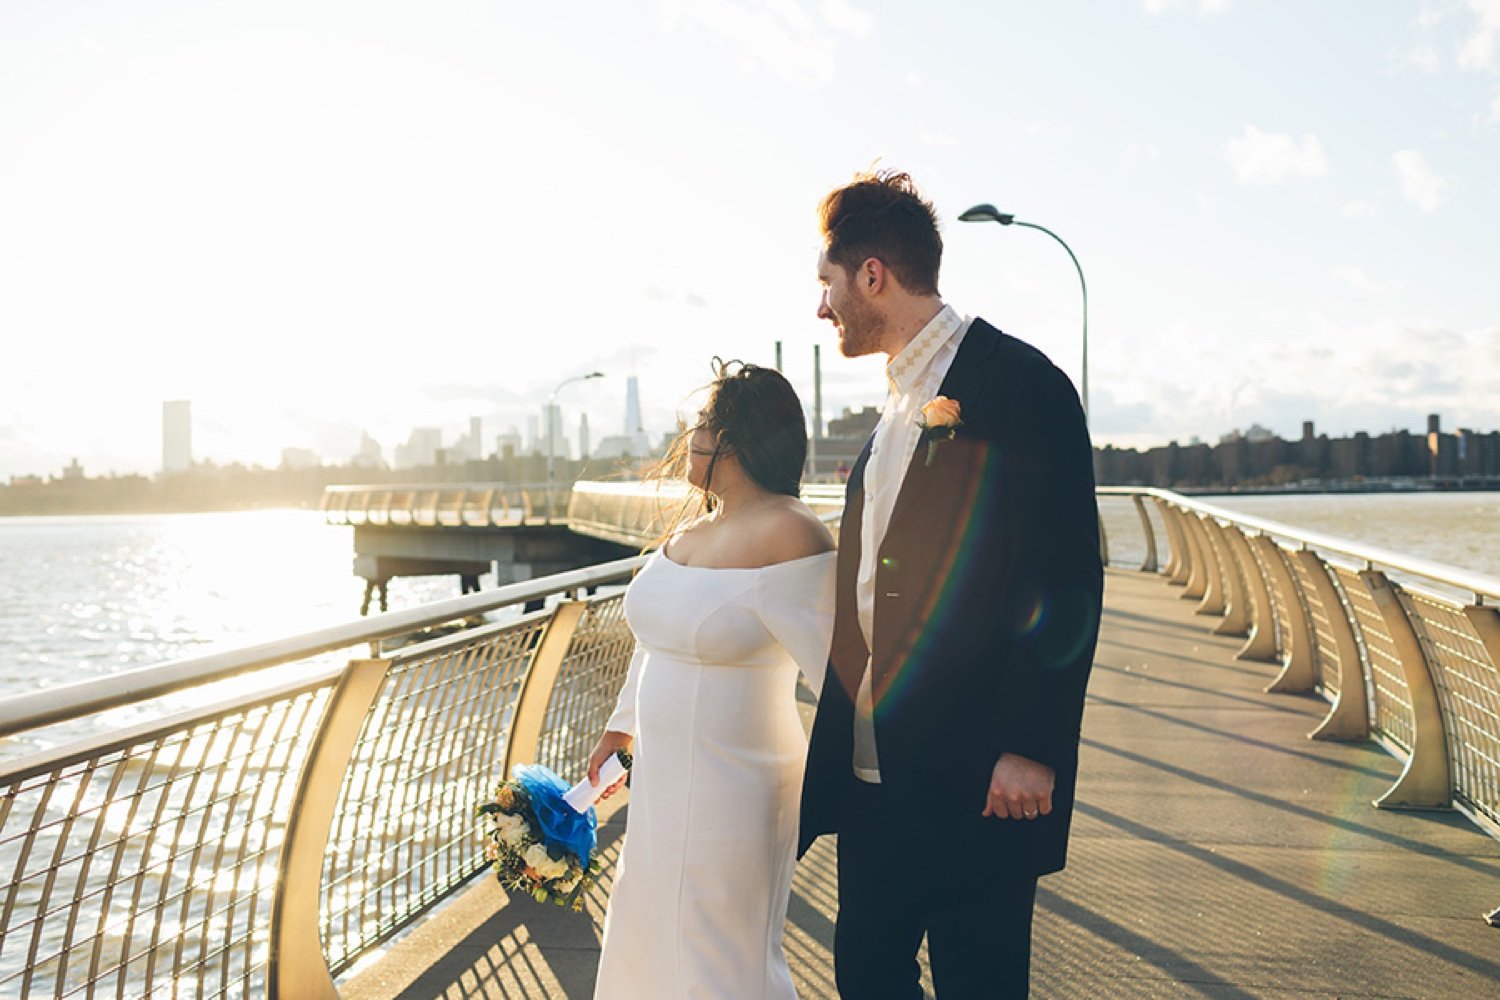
x=86, y=596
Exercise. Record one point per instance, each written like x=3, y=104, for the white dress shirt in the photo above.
x=914, y=377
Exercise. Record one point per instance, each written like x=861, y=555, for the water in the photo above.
x=1460, y=529
x=87, y=596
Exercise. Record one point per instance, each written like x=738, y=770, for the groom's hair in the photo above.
x=882, y=214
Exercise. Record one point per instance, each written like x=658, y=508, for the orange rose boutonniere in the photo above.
x=940, y=422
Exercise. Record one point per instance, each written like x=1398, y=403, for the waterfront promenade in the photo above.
x=1217, y=852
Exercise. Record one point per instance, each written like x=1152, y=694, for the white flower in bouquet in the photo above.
x=511, y=828
x=539, y=861
x=570, y=883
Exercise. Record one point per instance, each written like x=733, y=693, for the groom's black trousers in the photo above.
x=897, y=882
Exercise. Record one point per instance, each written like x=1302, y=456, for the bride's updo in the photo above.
x=754, y=413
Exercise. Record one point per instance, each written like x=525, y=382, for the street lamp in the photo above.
x=988, y=213
x=552, y=423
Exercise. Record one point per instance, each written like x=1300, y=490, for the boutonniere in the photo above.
x=940, y=422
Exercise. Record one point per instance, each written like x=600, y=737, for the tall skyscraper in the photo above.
x=583, y=435
x=476, y=439
x=635, y=429
x=633, y=406
x=176, y=435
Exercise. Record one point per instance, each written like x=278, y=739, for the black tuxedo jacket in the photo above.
x=988, y=593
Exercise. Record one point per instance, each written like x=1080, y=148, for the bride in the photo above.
x=725, y=613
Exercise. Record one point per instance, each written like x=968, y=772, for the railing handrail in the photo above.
x=1479, y=584
x=429, y=487
x=66, y=702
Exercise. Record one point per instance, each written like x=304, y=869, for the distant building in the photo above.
x=534, y=443
x=508, y=445
x=635, y=429
x=73, y=470
x=583, y=435
x=370, y=455
x=420, y=449
x=176, y=435
x=554, y=438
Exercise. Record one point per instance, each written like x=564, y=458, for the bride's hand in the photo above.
x=603, y=750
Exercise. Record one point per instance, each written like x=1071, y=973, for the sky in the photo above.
x=319, y=219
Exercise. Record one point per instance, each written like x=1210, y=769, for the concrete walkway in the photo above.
x=1217, y=852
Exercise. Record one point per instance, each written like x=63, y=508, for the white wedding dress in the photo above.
x=701, y=889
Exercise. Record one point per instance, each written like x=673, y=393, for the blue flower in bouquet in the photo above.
x=562, y=828
x=537, y=843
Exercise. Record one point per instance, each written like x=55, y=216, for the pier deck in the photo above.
x=1217, y=852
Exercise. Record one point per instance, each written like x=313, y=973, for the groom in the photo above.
x=945, y=748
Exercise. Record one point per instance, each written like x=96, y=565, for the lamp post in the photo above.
x=988, y=213
x=552, y=433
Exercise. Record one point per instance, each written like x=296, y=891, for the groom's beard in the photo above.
x=859, y=330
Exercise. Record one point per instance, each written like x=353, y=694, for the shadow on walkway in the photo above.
x=1217, y=852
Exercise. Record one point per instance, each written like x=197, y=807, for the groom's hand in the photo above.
x=1020, y=788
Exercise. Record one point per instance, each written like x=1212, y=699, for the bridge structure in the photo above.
x=516, y=532
x=295, y=818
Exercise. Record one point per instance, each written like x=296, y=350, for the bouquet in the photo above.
x=541, y=835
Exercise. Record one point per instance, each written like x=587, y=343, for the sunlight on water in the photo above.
x=87, y=596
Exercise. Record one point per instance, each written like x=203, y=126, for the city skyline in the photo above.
x=321, y=220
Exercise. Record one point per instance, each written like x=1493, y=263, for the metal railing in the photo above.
x=1405, y=650
x=264, y=839
x=261, y=843
x=632, y=513
x=444, y=505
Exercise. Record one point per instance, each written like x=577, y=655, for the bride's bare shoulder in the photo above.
x=792, y=531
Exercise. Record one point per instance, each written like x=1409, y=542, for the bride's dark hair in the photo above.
x=753, y=414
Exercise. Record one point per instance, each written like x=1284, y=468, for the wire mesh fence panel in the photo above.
x=1468, y=690
x=1390, y=707
x=590, y=681
x=145, y=863
x=404, y=833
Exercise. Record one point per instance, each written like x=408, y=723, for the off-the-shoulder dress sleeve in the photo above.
x=795, y=601
x=623, y=718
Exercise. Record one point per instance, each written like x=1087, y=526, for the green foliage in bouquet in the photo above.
x=522, y=861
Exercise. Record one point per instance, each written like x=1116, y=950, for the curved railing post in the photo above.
x=1148, y=564
x=1261, y=643
x=1236, y=600
x=1177, y=549
x=297, y=968
x=1214, y=572
x=1198, y=564
x=1349, y=718
x=1298, y=667
x=1424, y=781
x=536, y=688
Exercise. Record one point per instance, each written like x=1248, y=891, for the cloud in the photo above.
x=1205, y=7
x=1266, y=157
x=841, y=15
x=932, y=137
x=1355, y=277
x=1139, y=154
x=1478, y=49
x=1495, y=110
x=1419, y=185
x=1360, y=209
x=778, y=37
x=1425, y=58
